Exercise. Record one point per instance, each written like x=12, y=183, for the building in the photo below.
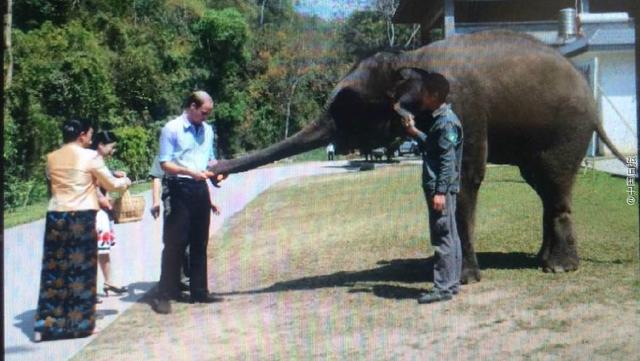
x=598, y=36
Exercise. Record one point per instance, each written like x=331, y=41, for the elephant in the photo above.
x=520, y=102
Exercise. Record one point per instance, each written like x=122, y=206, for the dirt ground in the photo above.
x=296, y=287
x=326, y=319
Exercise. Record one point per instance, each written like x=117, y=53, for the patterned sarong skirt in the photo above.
x=67, y=299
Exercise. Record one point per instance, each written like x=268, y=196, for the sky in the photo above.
x=329, y=9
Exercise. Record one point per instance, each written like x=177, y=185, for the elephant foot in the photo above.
x=560, y=264
x=470, y=275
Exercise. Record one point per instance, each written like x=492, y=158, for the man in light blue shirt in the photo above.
x=186, y=144
x=186, y=150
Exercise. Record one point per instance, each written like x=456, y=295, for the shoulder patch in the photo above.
x=451, y=135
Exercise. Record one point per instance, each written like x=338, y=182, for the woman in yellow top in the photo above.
x=66, y=304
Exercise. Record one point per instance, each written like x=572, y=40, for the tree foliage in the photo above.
x=366, y=32
x=127, y=65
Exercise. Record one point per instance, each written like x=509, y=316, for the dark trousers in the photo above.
x=184, y=276
x=187, y=215
x=447, y=258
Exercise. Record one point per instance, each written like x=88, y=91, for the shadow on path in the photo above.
x=136, y=289
x=17, y=349
x=25, y=322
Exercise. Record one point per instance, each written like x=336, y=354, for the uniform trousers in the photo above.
x=447, y=259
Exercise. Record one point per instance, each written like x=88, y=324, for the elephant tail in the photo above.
x=601, y=133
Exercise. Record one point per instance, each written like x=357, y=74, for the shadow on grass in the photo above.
x=608, y=261
x=503, y=261
x=350, y=167
x=407, y=271
x=505, y=180
x=356, y=165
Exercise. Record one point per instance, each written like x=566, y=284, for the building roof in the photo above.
x=412, y=12
x=597, y=35
x=477, y=15
x=612, y=36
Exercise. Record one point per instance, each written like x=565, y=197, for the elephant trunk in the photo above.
x=314, y=135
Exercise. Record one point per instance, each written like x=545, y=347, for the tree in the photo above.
x=6, y=45
x=48, y=88
x=275, y=11
x=387, y=8
x=31, y=14
x=221, y=58
x=366, y=32
x=140, y=82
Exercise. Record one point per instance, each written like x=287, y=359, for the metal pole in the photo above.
x=449, y=19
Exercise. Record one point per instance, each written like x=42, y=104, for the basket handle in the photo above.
x=126, y=196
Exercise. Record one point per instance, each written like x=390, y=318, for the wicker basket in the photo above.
x=128, y=208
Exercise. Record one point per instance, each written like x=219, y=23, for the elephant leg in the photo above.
x=558, y=252
x=465, y=216
x=465, y=219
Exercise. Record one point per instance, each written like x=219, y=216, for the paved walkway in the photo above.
x=135, y=261
x=612, y=166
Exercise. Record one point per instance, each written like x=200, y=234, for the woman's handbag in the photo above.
x=128, y=208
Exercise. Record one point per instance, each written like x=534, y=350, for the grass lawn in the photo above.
x=329, y=268
x=33, y=212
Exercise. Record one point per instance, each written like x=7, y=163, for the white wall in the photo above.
x=617, y=80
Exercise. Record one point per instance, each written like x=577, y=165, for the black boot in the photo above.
x=434, y=295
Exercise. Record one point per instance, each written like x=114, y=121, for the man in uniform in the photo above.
x=186, y=150
x=440, y=142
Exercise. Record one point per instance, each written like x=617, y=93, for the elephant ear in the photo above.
x=402, y=78
x=412, y=73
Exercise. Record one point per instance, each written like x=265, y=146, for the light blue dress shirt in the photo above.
x=185, y=146
x=156, y=170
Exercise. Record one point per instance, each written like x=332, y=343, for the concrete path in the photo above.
x=613, y=166
x=135, y=261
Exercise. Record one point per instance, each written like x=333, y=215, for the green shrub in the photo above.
x=133, y=151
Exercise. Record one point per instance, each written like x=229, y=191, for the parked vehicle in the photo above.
x=408, y=147
x=378, y=153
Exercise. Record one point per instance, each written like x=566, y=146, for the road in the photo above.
x=135, y=260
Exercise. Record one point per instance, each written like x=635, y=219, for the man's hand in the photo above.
x=216, y=179
x=200, y=176
x=119, y=174
x=439, y=202
x=215, y=209
x=155, y=211
x=408, y=121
